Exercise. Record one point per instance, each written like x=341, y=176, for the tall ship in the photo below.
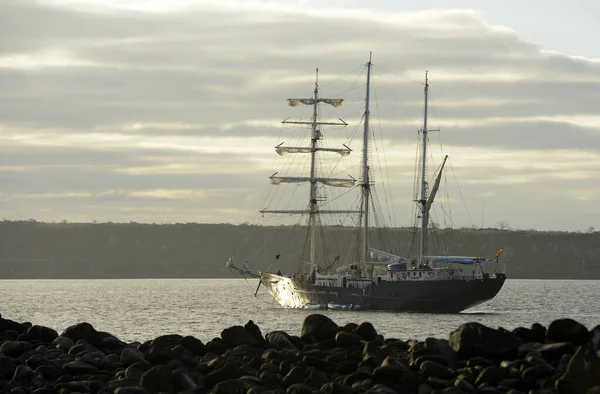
x=370, y=278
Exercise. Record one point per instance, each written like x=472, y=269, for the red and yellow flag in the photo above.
x=498, y=252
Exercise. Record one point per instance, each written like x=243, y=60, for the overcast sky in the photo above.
x=168, y=111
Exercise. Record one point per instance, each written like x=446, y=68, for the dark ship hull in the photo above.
x=433, y=296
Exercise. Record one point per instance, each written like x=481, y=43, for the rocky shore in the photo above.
x=562, y=358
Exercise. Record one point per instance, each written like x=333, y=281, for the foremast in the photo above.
x=313, y=179
x=425, y=201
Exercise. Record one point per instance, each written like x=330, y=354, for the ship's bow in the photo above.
x=285, y=290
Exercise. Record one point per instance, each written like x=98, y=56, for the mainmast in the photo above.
x=366, y=187
x=423, y=200
x=426, y=201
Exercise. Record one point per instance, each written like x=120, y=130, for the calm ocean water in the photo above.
x=142, y=309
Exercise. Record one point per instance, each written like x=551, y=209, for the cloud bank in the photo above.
x=154, y=114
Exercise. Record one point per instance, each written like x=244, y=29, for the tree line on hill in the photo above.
x=36, y=250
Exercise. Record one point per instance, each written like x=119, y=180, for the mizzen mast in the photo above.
x=366, y=186
x=425, y=201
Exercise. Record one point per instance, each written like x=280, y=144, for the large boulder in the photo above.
x=15, y=348
x=554, y=351
x=567, y=330
x=9, y=325
x=216, y=346
x=182, y=380
x=49, y=372
x=157, y=379
x=239, y=335
x=367, y=331
x=442, y=348
x=280, y=340
x=97, y=359
x=347, y=339
x=227, y=371
x=41, y=333
x=296, y=375
x=474, y=339
x=7, y=365
x=84, y=331
x=319, y=327
x=433, y=369
x=491, y=375
x=131, y=355
x=63, y=343
x=156, y=355
x=163, y=341
x=169, y=340
x=194, y=345
x=254, y=330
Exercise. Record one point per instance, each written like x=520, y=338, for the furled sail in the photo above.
x=333, y=102
x=381, y=256
x=335, y=182
x=293, y=102
x=282, y=150
x=307, y=211
x=342, y=151
x=457, y=259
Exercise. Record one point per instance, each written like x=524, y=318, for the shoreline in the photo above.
x=351, y=359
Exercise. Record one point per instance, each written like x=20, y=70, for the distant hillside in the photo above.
x=35, y=250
